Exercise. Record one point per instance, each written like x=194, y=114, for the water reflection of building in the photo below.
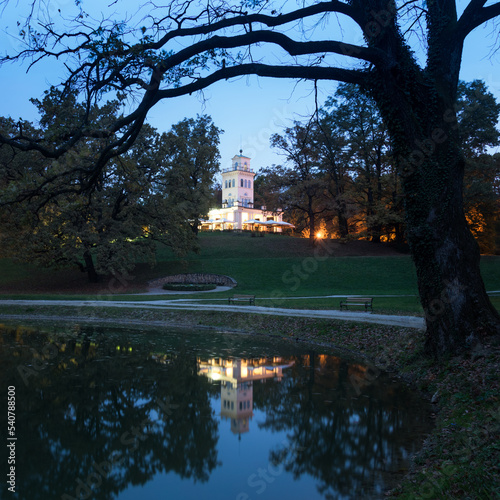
x=236, y=377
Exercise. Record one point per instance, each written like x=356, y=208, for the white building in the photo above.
x=238, y=211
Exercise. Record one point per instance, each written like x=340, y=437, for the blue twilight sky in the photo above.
x=248, y=109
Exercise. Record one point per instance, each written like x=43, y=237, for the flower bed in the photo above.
x=194, y=278
x=189, y=287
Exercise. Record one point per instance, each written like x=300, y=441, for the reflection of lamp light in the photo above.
x=215, y=376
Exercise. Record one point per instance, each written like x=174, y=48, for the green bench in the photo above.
x=366, y=302
x=242, y=298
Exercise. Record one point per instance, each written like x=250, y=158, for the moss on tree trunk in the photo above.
x=458, y=311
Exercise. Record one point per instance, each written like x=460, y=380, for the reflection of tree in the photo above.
x=107, y=417
x=333, y=434
x=112, y=411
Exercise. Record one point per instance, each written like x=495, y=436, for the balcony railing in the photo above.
x=239, y=167
x=235, y=203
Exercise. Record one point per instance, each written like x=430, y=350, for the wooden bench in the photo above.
x=242, y=298
x=367, y=302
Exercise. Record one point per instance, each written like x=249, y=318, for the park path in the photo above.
x=191, y=304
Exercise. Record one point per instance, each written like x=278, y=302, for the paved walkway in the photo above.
x=191, y=304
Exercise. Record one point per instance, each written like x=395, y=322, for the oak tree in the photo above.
x=104, y=232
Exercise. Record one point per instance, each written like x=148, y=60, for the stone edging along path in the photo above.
x=363, y=317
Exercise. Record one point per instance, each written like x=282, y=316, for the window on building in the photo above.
x=249, y=184
x=241, y=182
x=234, y=183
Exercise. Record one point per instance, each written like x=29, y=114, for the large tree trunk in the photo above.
x=417, y=105
x=418, y=108
x=90, y=268
x=457, y=309
x=399, y=238
x=337, y=193
x=343, y=223
x=312, y=227
x=195, y=225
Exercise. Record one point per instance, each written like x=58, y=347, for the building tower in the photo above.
x=237, y=183
x=238, y=211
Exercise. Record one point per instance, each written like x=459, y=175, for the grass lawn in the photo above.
x=289, y=266
x=269, y=267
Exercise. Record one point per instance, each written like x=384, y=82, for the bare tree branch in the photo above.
x=476, y=14
x=295, y=72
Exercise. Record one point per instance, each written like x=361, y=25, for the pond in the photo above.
x=118, y=413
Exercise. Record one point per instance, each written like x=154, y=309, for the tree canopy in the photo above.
x=146, y=196
x=344, y=152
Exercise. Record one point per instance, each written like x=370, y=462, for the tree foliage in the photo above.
x=478, y=114
x=367, y=158
x=302, y=186
x=357, y=176
x=135, y=202
x=192, y=156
